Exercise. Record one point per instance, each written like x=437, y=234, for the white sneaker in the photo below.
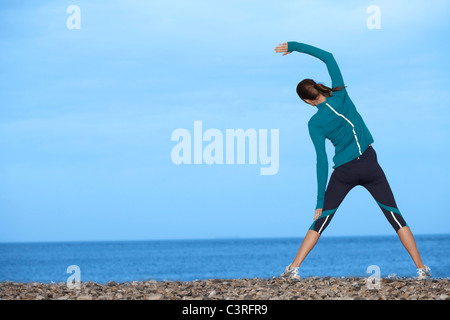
x=290, y=274
x=423, y=273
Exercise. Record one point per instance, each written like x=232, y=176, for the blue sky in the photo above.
x=86, y=116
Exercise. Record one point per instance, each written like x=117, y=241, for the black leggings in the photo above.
x=364, y=171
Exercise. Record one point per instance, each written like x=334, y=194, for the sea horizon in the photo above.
x=217, y=238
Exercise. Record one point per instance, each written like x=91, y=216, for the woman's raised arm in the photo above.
x=325, y=56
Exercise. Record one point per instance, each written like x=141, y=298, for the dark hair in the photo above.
x=309, y=89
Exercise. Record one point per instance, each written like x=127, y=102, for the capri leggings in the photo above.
x=365, y=171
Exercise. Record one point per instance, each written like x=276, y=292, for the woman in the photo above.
x=355, y=160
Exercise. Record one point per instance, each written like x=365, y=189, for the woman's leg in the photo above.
x=407, y=239
x=308, y=243
x=380, y=190
x=336, y=191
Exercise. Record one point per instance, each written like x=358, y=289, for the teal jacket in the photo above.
x=336, y=119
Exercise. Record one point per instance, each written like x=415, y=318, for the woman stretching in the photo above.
x=355, y=160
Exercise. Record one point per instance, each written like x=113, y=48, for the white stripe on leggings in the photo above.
x=396, y=220
x=353, y=127
x=323, y=223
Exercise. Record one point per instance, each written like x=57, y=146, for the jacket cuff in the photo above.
x=292, y=46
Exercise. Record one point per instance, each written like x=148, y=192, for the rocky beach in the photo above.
x=313, y=288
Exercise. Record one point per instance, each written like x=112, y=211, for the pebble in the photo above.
x=313, y=288
x=155, y=296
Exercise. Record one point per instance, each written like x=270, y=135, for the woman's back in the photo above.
x=338, y=120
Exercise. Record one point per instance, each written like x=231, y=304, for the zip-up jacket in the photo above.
x=336, y=119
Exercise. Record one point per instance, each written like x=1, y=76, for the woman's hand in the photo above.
x=282, y=47
x=318, y=214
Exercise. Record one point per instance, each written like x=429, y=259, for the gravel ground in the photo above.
x=234, y=289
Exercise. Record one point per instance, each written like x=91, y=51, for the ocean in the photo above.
x=186, y=260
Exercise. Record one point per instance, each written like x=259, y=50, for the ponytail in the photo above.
x=325, y=91
x=309, y=89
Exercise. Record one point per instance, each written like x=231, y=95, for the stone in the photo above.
x=212, y=293
x=155, y=296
